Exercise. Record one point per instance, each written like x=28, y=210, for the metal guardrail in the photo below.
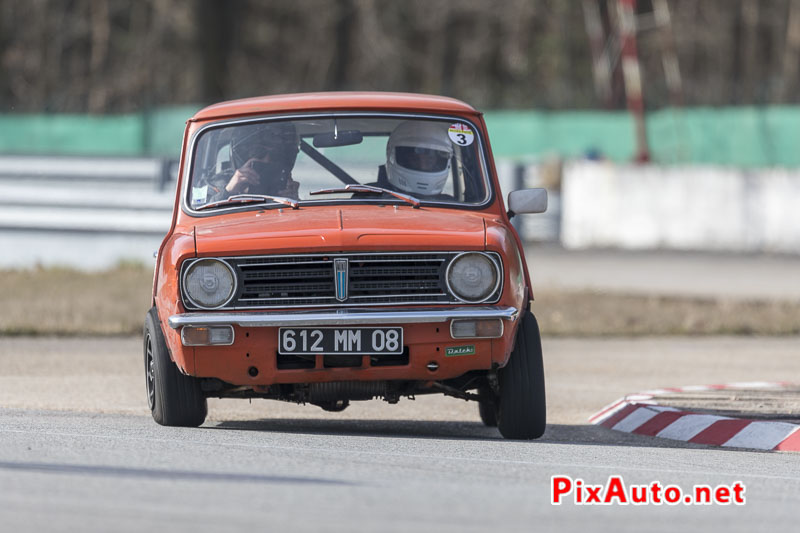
x=86, y=195
x=94, y=212
x=158, y=171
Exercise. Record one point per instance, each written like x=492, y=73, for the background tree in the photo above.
x=122, y=55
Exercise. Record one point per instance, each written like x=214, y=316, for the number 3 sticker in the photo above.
x=461, y=134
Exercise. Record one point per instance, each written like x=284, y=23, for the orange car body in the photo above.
x=336, y=229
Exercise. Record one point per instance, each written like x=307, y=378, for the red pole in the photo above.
x=632, y=76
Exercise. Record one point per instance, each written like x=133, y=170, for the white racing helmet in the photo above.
x=418, y=157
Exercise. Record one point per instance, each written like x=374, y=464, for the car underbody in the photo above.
x=328, y=394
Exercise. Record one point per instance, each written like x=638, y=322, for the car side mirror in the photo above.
x=527, y=201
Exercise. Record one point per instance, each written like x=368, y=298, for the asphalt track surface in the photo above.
x=78, y=451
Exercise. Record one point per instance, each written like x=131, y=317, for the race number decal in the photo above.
x=461, y=134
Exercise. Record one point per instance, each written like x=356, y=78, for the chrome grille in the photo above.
x=309, y=280
x=404, y=276
x=284, y=280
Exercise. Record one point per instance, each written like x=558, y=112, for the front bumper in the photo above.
x=253, y=358
x=342, y=317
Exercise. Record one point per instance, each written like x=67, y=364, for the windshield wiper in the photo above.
x=369, y=188
x=251, y=199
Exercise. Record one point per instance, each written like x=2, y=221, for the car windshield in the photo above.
x=311, y=160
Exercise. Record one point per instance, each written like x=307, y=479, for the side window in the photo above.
x=470, y=179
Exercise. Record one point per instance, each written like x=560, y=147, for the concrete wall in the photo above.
x=682, y=208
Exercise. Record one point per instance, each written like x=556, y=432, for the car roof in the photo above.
x=331, y=101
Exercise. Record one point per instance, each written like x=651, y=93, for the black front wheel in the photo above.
x=174, y=398
x=522, y=412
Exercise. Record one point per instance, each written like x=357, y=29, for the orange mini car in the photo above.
x=334, y=247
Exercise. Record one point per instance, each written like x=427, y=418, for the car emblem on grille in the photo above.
x=340, y=269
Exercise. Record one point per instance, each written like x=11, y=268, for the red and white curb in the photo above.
x=640, y=414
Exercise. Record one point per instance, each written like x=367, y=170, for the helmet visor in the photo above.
x=421, y=159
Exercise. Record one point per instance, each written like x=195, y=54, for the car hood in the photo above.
x=354, y=228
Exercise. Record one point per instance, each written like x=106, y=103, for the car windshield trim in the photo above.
x=370, y=188
x=187, y=208
x=250, y=199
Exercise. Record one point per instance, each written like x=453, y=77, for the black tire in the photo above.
x=174, y=398
x=487, y=407
x=522, y=413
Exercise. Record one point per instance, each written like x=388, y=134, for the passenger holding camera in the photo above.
x=263, y=156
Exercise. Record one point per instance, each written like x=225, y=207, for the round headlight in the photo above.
x=209, y=283
x=473, y=277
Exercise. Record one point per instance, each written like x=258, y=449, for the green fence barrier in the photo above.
x=165, y=130
x=747, y=137
x=524, y=134
x=71, y=134
x=156, y=133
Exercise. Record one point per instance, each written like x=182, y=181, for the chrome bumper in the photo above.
x=342, y=317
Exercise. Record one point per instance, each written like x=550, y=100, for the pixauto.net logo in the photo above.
x=616, y=492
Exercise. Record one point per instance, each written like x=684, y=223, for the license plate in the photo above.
x=329, y=340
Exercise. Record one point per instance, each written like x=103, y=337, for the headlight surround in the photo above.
x=473, y=277
x=209, y=283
